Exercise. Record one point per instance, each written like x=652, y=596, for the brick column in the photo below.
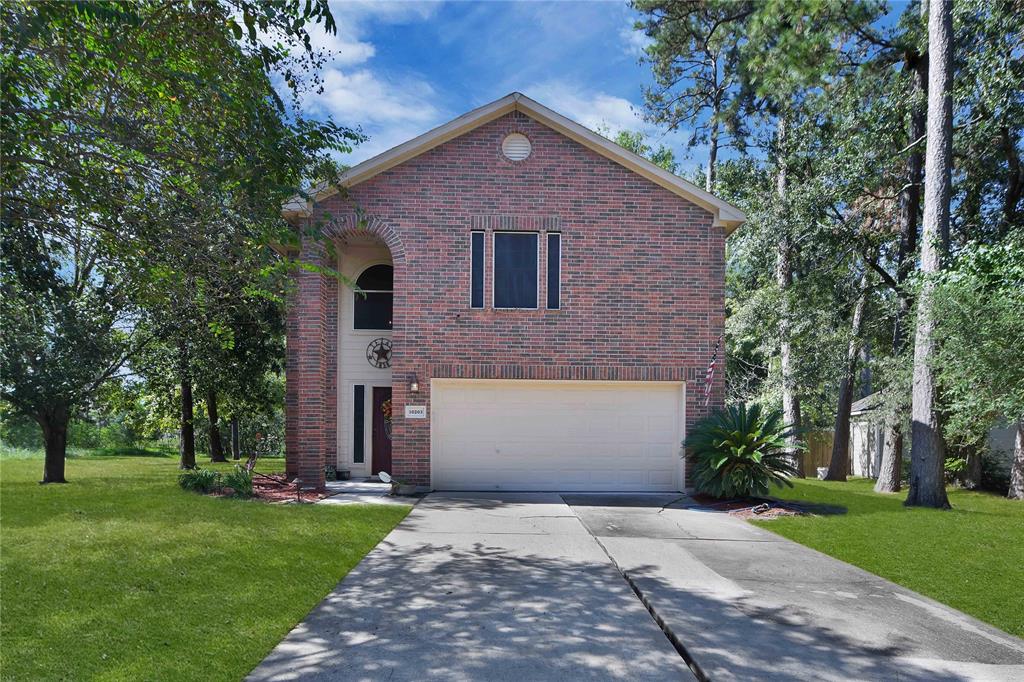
x=307, y=427
x=291, y=386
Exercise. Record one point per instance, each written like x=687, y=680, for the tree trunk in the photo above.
x=927, y=449
x=1017, y=469
x=890, y=472
x=865, y=370
x=1014, y=181
x=216, y=445
x=910, y=198
x=840, y=462
x=236, y=447
x=971, y=476
x=709, y=181
x=188, y=436
x=55, y=439
x=784, y=279
x=890, y=475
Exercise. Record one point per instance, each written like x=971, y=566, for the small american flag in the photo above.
x=709, y=378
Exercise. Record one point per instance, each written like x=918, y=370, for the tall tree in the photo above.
x=788, y=57
x=927, y=447
x=979, y=332
x=915, y=64
x=636, y=142
x=64, y=312
x=840, y=461
x=694, y=56
x=187, y=433
x=114, y=112
x=213, y=431
x=784, y=279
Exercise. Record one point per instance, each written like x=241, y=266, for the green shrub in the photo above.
x=17, y=430
x=954, y=467
x=200, y=480
x=740, y=452
x=239, y=480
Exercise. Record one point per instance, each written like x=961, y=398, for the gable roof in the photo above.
x=726, y=215
x=868, y=403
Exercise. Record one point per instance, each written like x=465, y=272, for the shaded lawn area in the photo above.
x=971, y=558
x=120, y=575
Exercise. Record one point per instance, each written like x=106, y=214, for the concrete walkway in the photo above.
x=362, y=492
x=541, y=587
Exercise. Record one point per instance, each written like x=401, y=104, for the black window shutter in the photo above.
x=554, y=270
x=476, y=295
x=358, y=418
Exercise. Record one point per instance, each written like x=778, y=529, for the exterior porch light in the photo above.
x=414, y=384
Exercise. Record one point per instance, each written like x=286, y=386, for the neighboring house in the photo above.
x=539, y=310
x=867, y=438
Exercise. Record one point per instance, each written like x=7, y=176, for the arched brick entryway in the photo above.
x=311, y=405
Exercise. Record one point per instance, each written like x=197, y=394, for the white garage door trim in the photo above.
x=666, y=397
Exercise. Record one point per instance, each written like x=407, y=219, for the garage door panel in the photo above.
x=526, y=435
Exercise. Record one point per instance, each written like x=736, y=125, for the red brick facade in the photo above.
x=642, y=283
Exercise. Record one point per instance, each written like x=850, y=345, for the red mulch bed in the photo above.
x=277, y=488
x=750, y=507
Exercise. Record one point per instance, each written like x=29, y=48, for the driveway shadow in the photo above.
x=738, y=637
x=514, y=587
x=440, y=611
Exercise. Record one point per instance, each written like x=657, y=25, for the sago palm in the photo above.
x=740, y=452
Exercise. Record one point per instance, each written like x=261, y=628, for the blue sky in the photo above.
x=400, y=68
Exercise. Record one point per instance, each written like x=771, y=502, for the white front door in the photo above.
x=556, y=435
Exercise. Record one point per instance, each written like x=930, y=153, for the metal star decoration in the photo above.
x=378, y=353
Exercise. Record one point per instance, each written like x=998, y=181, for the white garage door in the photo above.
x=540, y=435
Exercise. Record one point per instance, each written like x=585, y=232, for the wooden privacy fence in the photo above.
x=819, y=450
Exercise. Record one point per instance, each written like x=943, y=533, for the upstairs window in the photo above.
x=374, y=304
x=515, y=270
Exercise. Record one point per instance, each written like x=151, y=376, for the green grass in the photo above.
x=971, y=558
x=120, y=575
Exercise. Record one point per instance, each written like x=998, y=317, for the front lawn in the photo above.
x=971, y=558
x=120, y=575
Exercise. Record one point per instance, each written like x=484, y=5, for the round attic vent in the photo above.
x=516, y=147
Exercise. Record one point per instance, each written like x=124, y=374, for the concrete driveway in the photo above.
x=575, y=587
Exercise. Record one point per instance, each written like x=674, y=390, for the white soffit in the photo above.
x=726, y=215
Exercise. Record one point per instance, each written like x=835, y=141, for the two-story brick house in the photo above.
x=537, y=310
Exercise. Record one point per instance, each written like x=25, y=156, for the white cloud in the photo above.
x=592, y=109
x=389, y=107
x=634, y=41
x=346, y=47
x=343, y=48
x=599, y=110
x=364, y=97
x=384, y=139
x=390, y=12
